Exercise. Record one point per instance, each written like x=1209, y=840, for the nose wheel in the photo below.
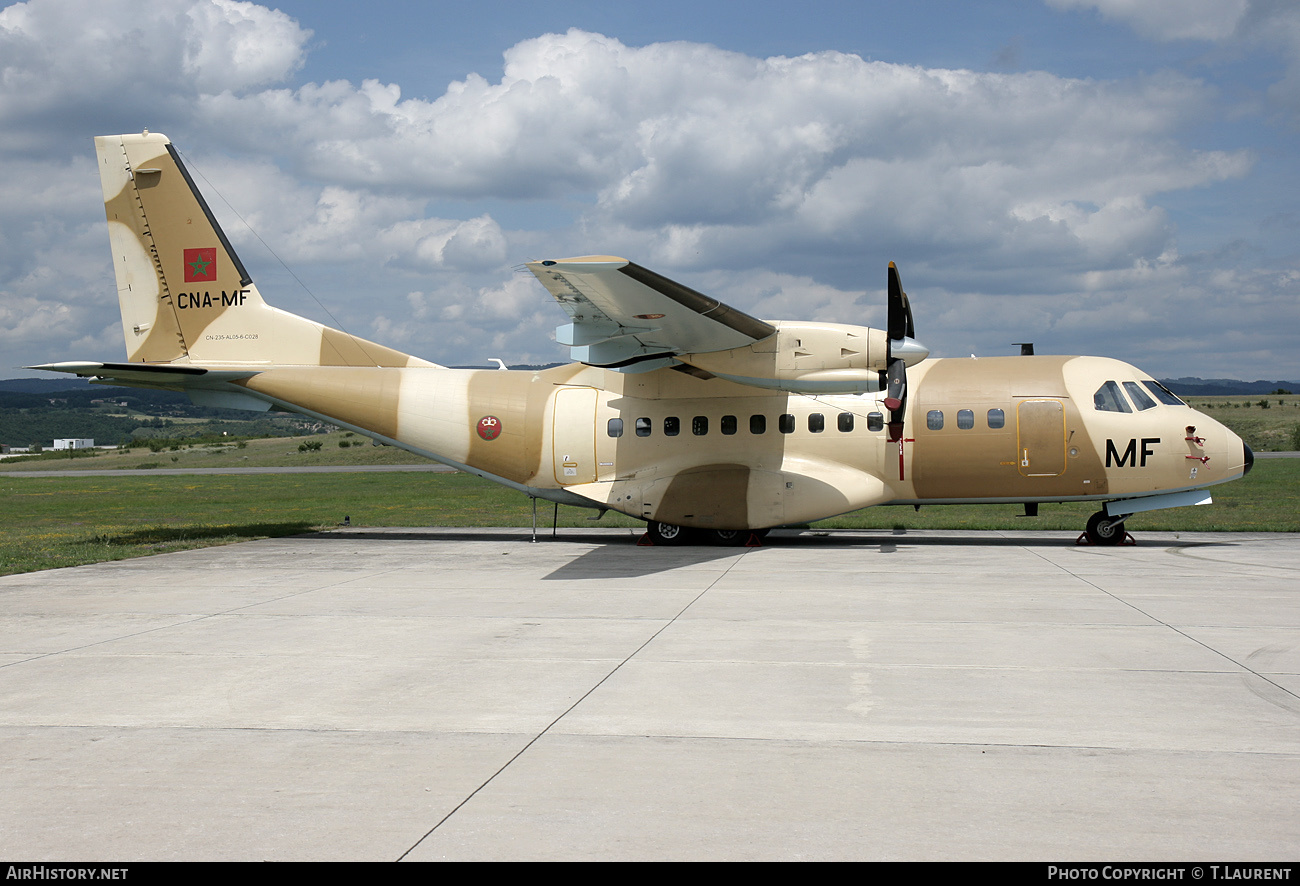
x=1105, y=530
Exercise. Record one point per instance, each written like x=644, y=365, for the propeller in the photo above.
x=902, y=349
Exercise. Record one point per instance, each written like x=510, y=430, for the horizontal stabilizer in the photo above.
x=174, y=376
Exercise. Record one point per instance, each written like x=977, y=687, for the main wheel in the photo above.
x=1103, y=529
x=666, y=533
x=728, y=537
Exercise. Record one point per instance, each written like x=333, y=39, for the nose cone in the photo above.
x=1249, y=459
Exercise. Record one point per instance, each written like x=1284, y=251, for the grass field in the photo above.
x=1272, y=429
x=275, y=452
x=67, y=521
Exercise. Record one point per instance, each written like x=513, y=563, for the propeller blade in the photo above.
x=900, y=313
x=902, y=345
x=895, y=384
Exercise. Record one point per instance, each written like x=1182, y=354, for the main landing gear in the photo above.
x=666, y=534
x=1105, y=530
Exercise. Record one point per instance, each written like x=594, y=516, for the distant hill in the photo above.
x=41, y=410
x=43, y=385
x=1215, y=387
x=80, y=393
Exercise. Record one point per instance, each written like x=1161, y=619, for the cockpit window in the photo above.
x=1163, y=394
x=1109, y=398
x=1139, y=396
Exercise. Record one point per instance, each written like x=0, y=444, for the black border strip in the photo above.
x=630, y=361
x=244, y=279
x=700, y=303
x=154, y=367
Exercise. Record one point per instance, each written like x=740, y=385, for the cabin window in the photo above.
x=997, y=418
x=672, y=426
x=965, y=419
x=816, y=422
x=643, y=427
x=1162, y=393
x=845, y=422
x=616, y=427
x=758, y=424
x=1109, y=398
x=728, y=425
x=700, y=425
x=875, y=421
x=785, y=424
x=934, y=419
x=1139, y=396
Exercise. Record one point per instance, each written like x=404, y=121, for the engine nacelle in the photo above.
x=808, y=358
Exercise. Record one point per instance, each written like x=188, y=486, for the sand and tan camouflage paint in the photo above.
x=984, y=462
x=183, y=293
x=187, y=302
x=743, y=480
x=364, y=397
x=1214, y=454
x=1065, y=456
x=738, y=480
x=150, y=326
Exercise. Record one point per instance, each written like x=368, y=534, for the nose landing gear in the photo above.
x=1105, y=530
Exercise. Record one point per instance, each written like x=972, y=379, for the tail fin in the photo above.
x=184, y=294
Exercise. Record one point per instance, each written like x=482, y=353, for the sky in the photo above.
x=1113, y=177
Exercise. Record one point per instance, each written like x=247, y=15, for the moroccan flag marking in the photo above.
x=201, y=265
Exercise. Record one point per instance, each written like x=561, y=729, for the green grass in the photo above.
x=67, y=521
x=1265, y=430
x=269, y=452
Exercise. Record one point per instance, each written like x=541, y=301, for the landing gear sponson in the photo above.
x=1103, y=530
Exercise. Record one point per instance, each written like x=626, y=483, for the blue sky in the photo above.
x=1098, y=176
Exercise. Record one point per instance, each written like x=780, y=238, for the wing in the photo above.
x=627, y=317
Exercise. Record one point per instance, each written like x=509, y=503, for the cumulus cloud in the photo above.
x=781, y=184
x=110, y=59
x=691, y=151
x=231, y=45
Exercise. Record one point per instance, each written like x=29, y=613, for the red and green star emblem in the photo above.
x=201, y=265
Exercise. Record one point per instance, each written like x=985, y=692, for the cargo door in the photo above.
x=573, y=436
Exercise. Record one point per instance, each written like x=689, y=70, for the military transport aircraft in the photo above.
x=680, y=410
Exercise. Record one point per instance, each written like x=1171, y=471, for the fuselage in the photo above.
x=682, y=411
x=670, y=447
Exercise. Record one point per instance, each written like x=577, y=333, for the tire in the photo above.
x=1105, y=530
x=728, y=538
x=667, y=533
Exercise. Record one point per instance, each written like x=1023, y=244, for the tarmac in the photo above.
x=429, y=694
